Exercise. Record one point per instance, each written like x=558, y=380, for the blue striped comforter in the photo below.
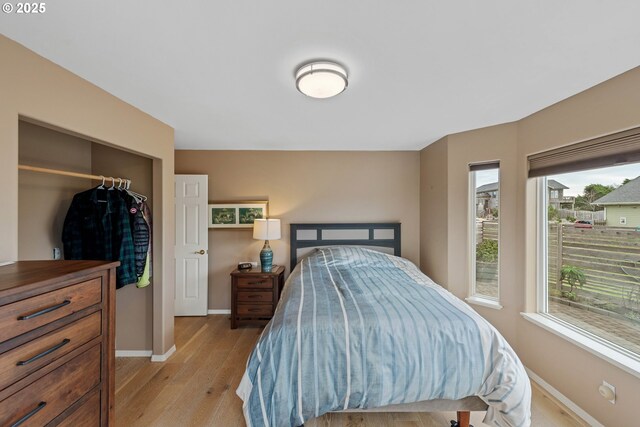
x=357, y=328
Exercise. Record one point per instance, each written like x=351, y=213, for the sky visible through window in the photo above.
x=615, y=175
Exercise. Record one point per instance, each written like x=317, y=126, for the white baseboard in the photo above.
x=224, y=311
x=564, y=399
x=163, y=357
x=134, y=353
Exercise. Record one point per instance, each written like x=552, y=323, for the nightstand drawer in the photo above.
x=255, y=310
x=254, y=282
x=247, y=296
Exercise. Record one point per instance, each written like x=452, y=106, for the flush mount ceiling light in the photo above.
x=321, y=79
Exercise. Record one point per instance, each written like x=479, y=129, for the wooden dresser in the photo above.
x=57, y=348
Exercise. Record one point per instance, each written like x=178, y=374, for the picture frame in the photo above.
x=235, y=214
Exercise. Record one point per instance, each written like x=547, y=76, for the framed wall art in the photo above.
x=236, y=214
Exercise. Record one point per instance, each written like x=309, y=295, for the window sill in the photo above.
x=627, y=363
x=484, y=302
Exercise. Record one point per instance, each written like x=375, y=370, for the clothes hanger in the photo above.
x=113, y=183
x=101, y=186
x=139, y=197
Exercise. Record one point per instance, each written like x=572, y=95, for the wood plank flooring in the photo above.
x=196, y=386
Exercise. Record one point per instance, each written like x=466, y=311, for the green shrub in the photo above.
x=571, y=218
x=553, y=214
x=487, y=251
x=574, y=276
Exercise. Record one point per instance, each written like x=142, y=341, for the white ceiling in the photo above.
x=222, y=72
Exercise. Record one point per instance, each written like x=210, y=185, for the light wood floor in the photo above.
x=196, y=386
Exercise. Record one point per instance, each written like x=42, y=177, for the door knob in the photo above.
x=201, y=252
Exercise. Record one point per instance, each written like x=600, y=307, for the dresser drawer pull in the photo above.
x=259, y=282
x=30, y=414
x=45, y=310
x=44, y=353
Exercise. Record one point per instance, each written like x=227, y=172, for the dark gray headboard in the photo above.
x=369, y=234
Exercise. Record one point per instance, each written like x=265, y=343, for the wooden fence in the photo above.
x=609, y=257
x=486, y=230
x=582, y=215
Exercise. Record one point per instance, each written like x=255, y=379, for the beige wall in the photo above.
x=609, y=107
x=35, y=88
x=433, y=209
x=44, y=199
x=304, y=186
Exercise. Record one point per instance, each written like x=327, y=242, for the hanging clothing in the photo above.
x=144, y=280
x=146, y=212
x=98, y=227
x=140, y=231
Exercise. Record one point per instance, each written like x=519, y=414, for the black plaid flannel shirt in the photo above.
x=97, y=227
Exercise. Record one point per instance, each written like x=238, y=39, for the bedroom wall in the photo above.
x=433, y=209
x=44, y=93
x=609, y=107
x=304, y=186
x=44, y=199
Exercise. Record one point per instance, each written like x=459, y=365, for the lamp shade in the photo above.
x=266, y=229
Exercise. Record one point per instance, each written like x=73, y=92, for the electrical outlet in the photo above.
x=608, y=391
x=56, y=253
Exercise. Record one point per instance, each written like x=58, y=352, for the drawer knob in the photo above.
x=44, y=310
x=30, y=414
x=44, y=353
x=259, y=282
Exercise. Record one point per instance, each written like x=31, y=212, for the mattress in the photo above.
x=360, y=329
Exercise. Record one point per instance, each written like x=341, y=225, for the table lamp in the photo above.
x=266, y=229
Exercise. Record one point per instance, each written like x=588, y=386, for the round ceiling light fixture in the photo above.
x=321, y=79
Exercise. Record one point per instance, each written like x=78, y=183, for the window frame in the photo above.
x=474, y=297
x=594, y=344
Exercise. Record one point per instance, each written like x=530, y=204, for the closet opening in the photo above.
x=45, y=198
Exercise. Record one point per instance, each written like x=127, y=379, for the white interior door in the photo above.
x=192, y=245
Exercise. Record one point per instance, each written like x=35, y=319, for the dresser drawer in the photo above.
x=31, y=313
x=248, y=296
x=254, y=282
x=255, y=309
x=49, y=396
x=29, y=357
x=87, y=415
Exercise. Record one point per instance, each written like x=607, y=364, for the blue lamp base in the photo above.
x=266, y=258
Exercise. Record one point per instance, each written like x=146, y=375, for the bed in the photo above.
x=358, y=328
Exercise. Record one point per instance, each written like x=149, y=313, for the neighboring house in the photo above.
x=622, y=205
x=557, y=199
x=487, y=197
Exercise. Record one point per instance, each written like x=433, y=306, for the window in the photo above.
x=592, y=253
x=484, y=227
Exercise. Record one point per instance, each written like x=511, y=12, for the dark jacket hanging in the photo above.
x=97, y=227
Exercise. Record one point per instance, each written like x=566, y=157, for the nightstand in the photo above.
x=255, y=295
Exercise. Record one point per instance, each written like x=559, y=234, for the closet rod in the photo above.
x=67, y=173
